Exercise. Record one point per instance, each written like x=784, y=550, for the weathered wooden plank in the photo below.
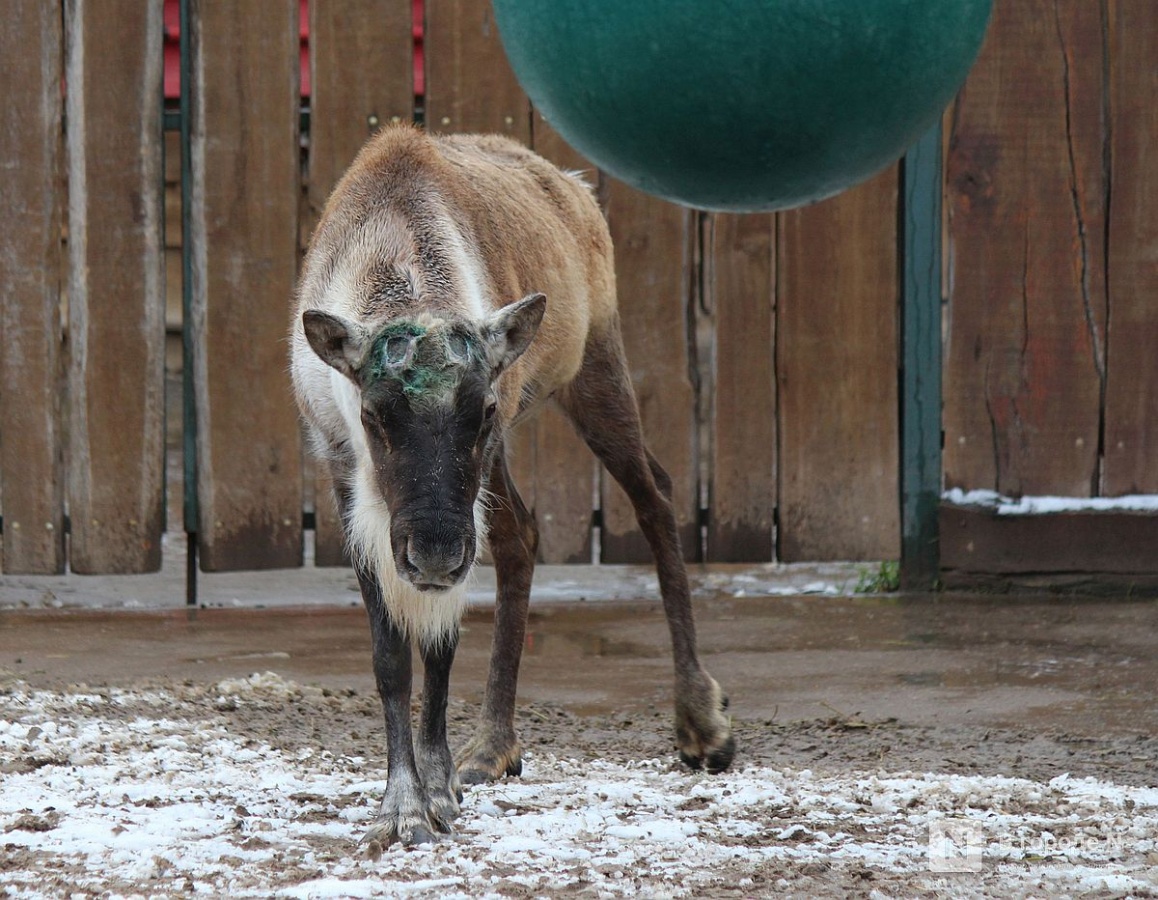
x=981, y=541
x=741, y=279
x=31, y=472
x=346, y=107
x=1131, y=429
x=837, y=375
x=246, y=183
x=329, y=536
x=346, y=42
x=469, y=83
x=566, y=476
x=116, y=286
x=565, y=473
x=1025, y=363
x=652, y=242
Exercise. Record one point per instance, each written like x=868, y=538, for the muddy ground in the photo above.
x=1028, y=687
x=839, y=697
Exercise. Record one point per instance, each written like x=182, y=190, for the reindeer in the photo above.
x=454, y=285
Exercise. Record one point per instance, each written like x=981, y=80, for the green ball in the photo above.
x=748, y=105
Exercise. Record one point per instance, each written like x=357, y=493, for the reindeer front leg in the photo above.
x=405, y=814
x=435, y=764
x=514, y=540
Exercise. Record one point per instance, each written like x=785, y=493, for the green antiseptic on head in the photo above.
x=429, y=359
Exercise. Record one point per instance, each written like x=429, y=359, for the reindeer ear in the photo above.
x=339, y=343
x=509, y=331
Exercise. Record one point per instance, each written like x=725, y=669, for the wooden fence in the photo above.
x=1051, y=375
x=764, y=349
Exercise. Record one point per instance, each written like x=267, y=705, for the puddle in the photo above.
x=926, y=679
x=1071, y=664
x=584, y=645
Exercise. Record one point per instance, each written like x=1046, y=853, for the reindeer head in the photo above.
x=432, y=423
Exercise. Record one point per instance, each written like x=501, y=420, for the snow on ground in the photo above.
x=131, y=793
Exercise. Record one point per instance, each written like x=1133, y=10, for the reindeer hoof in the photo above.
x=476, y=776
x=443, y=791
x=703, y=733
x=480, y=763
x=396, y=829
x=480, y=772
x=416, y=818
x=444, y=808
x=692, y=762
x=716, y=761
x=420, y=836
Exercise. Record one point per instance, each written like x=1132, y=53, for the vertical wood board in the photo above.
x=246, y=183
x=116, y=286
x=741, y=288
x=346, y=107
x=347, y=41
x=1131, y=430
x=652, y=242
x=329, y=535
x=1025, y=186
x=469, y=83
x=31, y=473
x=565, y=472
x=837, y=342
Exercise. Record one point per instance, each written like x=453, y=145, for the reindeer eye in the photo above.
x=490, y=411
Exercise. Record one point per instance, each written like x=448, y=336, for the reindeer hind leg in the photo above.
x=602, y=406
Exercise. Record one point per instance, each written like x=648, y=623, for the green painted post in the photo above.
x=921, y=364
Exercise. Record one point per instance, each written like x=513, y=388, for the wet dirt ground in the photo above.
x=1028, y=687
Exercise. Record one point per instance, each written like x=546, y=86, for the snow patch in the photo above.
x=167, y=805
x=1037, y=506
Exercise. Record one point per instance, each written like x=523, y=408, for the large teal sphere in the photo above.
x=744, y=105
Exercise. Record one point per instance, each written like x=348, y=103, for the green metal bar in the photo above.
x=921, y=363
x=181, y=119
x=189, y=408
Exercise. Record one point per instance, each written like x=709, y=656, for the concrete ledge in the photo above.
x=313, y=586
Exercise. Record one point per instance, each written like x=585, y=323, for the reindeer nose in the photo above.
x=436, y=563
